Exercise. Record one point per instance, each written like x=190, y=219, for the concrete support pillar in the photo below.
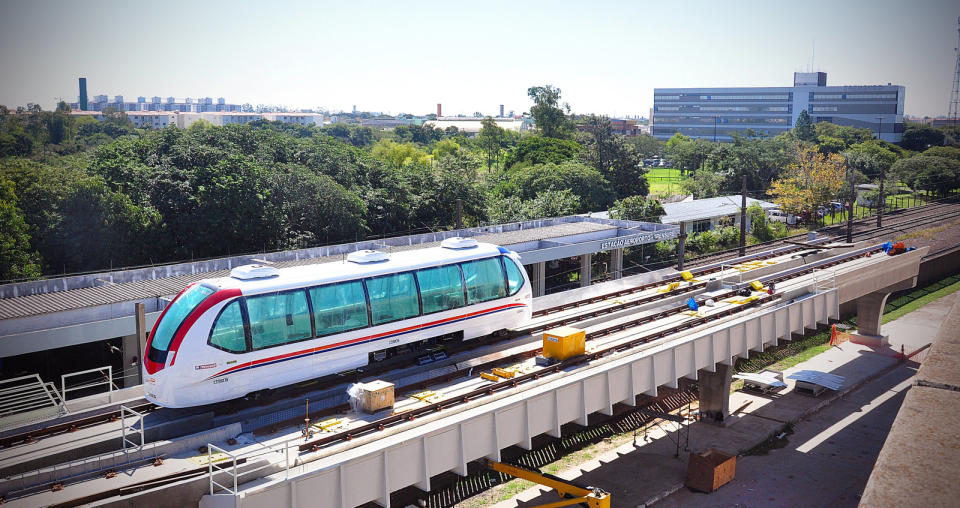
x=586, y=272
x=616, y=263
x=538, y=278
x=130, y=350
x=870, y=308
x=870, y=312
x=715, y=392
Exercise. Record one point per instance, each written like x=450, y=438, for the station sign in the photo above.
x=629, y=241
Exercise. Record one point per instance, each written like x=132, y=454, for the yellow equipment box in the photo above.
x=564, y=342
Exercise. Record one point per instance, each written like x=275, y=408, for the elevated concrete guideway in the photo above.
x=369, y=468
x=369, y=465
x=49, y=314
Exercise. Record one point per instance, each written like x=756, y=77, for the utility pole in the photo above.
x=459, y=214
x=853, y=197
x=883, y=176
x=883, y=200
x=743, y=217
x=681, y=245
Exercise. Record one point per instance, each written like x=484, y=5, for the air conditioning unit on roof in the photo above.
x=249, y=272
x=458, y=242
x=367, y=256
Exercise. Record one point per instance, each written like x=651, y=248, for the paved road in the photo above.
x=827, y=460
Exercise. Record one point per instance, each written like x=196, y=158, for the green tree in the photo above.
x=551, y=203
x=705, y=183
x=638, y=208
x=950, y=152
x=17, y=260
x=930, y=173
x=919, y=137
x=434, y=190
x=759, y=225
x=803, y=130
x=445, y=147
x=646, y=145
x=544, y=204
x=613, y=156
x=531, y=150
x=551, y=120
x=594, y=191
x=491, y=139
x=398, y=155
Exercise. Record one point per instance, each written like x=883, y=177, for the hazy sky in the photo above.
x=471, y=56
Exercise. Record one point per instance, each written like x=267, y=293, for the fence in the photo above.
x=108, y=380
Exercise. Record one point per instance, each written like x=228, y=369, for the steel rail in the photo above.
x=69, y=426
x=412, y=414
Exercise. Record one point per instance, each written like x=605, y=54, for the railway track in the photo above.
x=938, y=214
x=392, y=420
x=908, y=216
x=412, y=414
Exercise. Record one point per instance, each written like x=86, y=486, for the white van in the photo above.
x=780, y=216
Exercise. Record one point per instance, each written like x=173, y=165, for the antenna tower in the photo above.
x=954, y=115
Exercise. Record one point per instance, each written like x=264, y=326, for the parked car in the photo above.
x=781, y=216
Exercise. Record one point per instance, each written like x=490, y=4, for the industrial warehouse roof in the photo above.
x=536, y=241
x=709, y=208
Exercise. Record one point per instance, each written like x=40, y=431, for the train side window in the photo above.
x=278, y=318
x=339, y=307
x=393, y=297
x=228, y=332
x=484, y=280
x=441, y=288
x=514, y=275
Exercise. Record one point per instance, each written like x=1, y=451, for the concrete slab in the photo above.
x=921, y=458
x=942, y=365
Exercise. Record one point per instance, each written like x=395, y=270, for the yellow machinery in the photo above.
x=564, y=342
x=573, y=494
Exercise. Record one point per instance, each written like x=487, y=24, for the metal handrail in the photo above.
x=108, y=381
x=123, y=424
x=210, y=452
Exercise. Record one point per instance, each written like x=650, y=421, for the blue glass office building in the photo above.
x=716, y=113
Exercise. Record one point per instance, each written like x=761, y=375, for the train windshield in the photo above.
x=176, y=313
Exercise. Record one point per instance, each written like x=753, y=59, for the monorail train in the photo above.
x=264, y=328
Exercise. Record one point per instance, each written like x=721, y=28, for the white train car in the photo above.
x=264, y=328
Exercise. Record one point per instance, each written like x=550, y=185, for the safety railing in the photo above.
x=28, y=398
x=824, y=280
x=40, y=479
x=232, y=471
x=726, y=278
x=98, y=381
x=235, y=465
x=132, y=431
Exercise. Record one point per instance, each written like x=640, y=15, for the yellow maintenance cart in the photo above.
x=573, y=494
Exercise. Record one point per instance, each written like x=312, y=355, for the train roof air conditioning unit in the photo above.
x=249, y=272
x=367, y=256
x=458, y=242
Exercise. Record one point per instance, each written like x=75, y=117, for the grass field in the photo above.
x=664, y=181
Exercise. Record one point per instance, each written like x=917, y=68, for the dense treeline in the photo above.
x=79, y=194
x=85, y=195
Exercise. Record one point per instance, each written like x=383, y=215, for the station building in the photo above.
x=717, y=113
x=69, y=324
